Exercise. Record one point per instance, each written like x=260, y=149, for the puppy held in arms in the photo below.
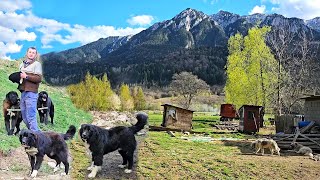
x=263, y=143
x=39, y=144
x=102, y=141
x=300, y=149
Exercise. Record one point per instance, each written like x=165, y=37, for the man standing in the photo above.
x=31, y=75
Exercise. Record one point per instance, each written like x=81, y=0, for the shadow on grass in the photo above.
x=243, y=145
x=246, y=149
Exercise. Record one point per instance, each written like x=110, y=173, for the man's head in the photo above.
x=31, y=53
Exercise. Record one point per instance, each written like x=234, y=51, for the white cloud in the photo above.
x=140, y=20
x=304, y=9
x=46, y=46
x=6, y=48
x=89, y=34
x=18, y=26
x=13, y=5
x=10, y=36
x=258, y=9
x=212, y=2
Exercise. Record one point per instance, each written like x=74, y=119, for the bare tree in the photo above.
x=303, y=71
x=298, y=71
x=187, y=85
x=279, y=40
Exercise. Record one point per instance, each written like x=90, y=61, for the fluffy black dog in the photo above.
x=38, y=144
x=44, y=101
x=102, y=141
x=12, y=101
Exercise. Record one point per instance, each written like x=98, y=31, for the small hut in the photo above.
x=250, y=118
x=177, y=117
x=312, y=108
x=228, y=112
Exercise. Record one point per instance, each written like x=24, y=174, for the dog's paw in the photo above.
x=92, y=175
x=34, y=173
x=128, y=171
x=63, y=174
x=90, y=167
x=56, y=169
x=121, y=166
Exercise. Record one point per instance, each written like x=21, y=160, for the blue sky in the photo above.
x=56, y=25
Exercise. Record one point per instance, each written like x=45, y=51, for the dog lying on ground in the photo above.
x=44, y=101
x=300, y=149
x=102, y=141
x=261, y=144
x=12, y=101
x=316, y=157
x=38, y=144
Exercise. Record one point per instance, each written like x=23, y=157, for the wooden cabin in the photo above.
x=176, y=117
x=312, y=108
x=250, y=118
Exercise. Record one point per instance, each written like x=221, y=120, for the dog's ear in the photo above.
x=81, y=128
x=34, y=136
x=8, y=95
x=20, y=136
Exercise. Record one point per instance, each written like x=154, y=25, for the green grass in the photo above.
x=65, y=112
x=162, y=156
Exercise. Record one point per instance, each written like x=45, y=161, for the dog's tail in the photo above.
x=70, y=133
x=142, y=120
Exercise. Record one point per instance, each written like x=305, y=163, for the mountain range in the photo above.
x=191, y=41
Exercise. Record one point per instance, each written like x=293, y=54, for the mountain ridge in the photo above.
x=137, y=59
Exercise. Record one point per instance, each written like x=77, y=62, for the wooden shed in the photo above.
x=312, y=108
x=176, y=117
x=250, y=118
x=228, y=111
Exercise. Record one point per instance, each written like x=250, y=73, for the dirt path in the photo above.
x=110, y=169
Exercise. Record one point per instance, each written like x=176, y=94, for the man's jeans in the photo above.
x=28, y=106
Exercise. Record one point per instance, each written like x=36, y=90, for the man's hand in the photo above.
x=23, y=75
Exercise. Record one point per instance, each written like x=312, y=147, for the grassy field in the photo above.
x=201, y=121
x=165, y=157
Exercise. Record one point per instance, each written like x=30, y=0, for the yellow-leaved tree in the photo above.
x=127, y=103
x=251, y=70
x=139, y=99
x=93, y=94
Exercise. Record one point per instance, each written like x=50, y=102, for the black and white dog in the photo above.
x=52, y=144
x=46, y=107
x=102, y=141
x=12, y=101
